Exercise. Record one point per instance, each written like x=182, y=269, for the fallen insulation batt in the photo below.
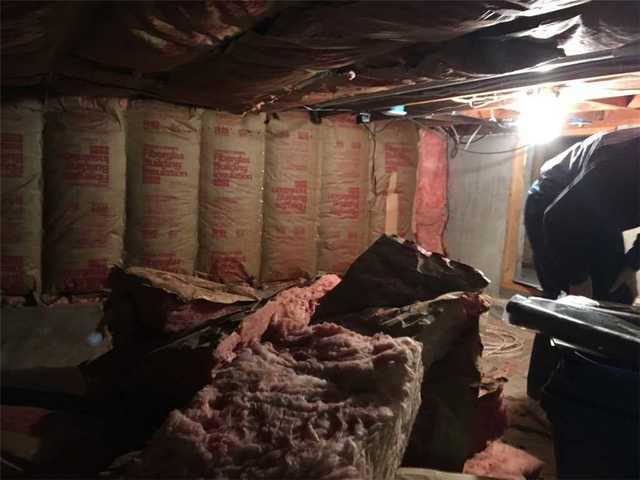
x=145, y=303
x=288, y=311
x=447, y=327
x=320, y=402
x=502, y=461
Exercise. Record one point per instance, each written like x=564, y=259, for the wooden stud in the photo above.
x=514, y=215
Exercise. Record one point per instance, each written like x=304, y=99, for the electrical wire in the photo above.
x=475, y=132
x=375, y=131
x=311, y=109
x=413, y=120
x=499, y=152
x=498, y=341
x=453, y=134
x=389, y=122
x=455, y=138
x=485, y=101
x=372, y=134
x=480, y=138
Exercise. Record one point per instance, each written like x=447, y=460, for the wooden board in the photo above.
x=514, y=215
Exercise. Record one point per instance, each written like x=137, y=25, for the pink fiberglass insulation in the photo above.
x=502, y=461
x=430, y=202
x=289, y=310
x=322, y=402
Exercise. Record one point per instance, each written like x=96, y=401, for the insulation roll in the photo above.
x=430, y=202
x=163, y=152
x=21, y=183
x=394, y=181
x=343, y=193
x=84, y=173
x=291, y=197
x=231, y=177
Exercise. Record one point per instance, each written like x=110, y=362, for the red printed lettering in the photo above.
x=292, y=199
x=161, y=161
x=230, y=165
x=397, y=156
x=11, y=155
x=87, y=168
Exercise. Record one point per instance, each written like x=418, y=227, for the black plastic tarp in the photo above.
x=241, y=55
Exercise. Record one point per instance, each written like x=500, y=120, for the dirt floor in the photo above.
x=507, y=351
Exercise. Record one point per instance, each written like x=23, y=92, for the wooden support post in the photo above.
x=514, y=215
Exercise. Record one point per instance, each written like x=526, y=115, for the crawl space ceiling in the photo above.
x=264, y=55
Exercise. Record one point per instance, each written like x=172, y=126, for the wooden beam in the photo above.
x=635, y=102
x=514, y=216
x=618, y=102
x=612, y=118
x=585, y=131
x=603, y=122
x=509, y=109
x=596, y=106
x=488, y=114
x=596, y=87
x=599, y=120
x=622, y=117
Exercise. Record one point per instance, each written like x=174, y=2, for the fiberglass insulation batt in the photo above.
x=291, y=194
x=163, y=150
x=84, y=171
x=343, y=218
x=394, y=181
x=21, y=183
x=231, y=177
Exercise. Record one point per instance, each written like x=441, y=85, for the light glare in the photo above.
x=542, y=116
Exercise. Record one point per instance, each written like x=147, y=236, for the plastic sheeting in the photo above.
x=416, y=274
x=160, y=36
x=258, y=52
x=32, y=34
x=303, y=43
x=595, y=27
x=591, y=327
